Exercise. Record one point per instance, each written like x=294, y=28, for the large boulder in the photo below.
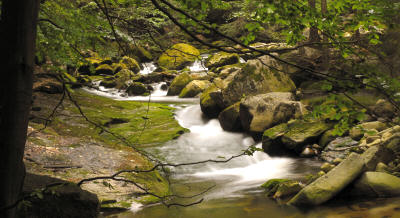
x=384, y=109
x=136, y=88
x=263, y=111
x=179, y=83
x=376, y=184
x=259, y=76
x=230, y=118
x=301, y=133
x=221, y=59
x=271, y=140
x=194, y=88
x=142, y=54
x=178, y=56
x=104, y=69
x=329, y=185
x=130, y=63
x=211, y=101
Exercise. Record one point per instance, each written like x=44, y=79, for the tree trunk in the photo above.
x=313, y=36
x=325, y=48
x=18, y=34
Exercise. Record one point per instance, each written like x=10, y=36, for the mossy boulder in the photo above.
x=272, y=185
x=179, y=83
x=178, y=56
x=123, y=77
x=136, y=88
x=271, y=140
x=104, y=69
x=257, y=78
x=142, y=54
x=108, y=83
x=211, y=101
x=194, y=88
x=326, y=138
x=260, y=112
x=230, y=118
x=221, y=59
x=301, y=133
x=130, y=63
x=377, y=184
x=281, y=188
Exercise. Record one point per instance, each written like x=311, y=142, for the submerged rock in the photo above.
x=230, y=118
x=281, y=188
x=178, y=56
x=260, y=112
x=179, y=83
x=194, y=88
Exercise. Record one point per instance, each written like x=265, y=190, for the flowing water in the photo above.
x=231, y=189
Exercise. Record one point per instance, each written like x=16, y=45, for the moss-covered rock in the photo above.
x=194, y=88
x=260, y=112
x=230, y=118
x=301, y=133
x=377, y=184
x=136, y=88
x=178, y=56
x=179, y=83
x=271, y=140
x=256, y=78
x=326, y=138
x=108, y=83
x=142, y=54
x=287, y=189
x=104, y=69
x=211, y=101
x=221, y=59
x=272, y=185
x=130, y=63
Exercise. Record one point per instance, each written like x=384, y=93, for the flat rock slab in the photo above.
x=329, y=185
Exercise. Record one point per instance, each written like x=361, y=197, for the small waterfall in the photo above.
x=148, y=68
x=199, y=64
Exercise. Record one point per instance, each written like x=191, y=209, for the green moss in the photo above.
x=178, y=56
x=130, y=63
x=179, y=83
x=222, y=58
x=275, y=131
x=160, y=123
x=271, y=186
x=104, y=69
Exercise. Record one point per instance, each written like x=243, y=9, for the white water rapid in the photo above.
x=207, y=140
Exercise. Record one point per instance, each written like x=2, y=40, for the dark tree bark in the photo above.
x=18, y=35
x=313, y=36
